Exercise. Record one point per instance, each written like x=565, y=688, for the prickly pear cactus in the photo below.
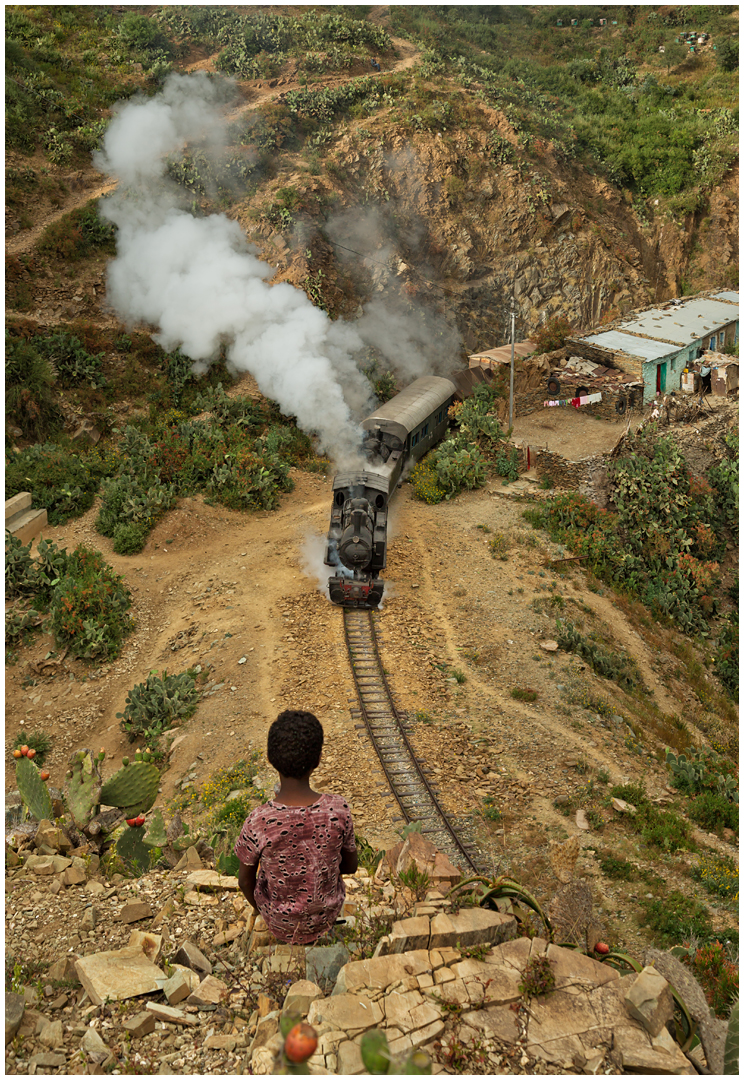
x=84, y=787
x=375, y=1051
x=33, y=790
x=133, y=788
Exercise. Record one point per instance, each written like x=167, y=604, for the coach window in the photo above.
x=424, y=431
x=414, y=439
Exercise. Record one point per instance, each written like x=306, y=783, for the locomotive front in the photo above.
x=400, y=432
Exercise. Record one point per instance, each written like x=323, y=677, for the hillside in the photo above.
x=311, y=231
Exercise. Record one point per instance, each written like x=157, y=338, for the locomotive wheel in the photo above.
x=554, y=387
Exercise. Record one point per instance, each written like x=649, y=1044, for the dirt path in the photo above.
x=24, y=241
x=257, y=93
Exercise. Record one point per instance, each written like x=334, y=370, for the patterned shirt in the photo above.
x=299, y=888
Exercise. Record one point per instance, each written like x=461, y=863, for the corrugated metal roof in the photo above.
x=733, y=297
x=682, y=323
x=633, y=346
x=502, y=355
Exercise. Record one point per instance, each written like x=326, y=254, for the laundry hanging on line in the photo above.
x=577, y=402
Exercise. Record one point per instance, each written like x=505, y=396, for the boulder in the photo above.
x=14, y=1008
x=142, y=1023
x=192, y=957
x=650, y=1000
x=300, y=997
x=209, y=992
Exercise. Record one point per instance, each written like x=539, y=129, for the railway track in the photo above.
x=386, y=727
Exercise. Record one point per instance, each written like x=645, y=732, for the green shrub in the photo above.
x=718, y=975
x=129, y=539
x=157, y=704
x=30, y=402
x=520, y=693
x=621, y=669
x=552, y=335
x=615, y=867
x=72, y=362
x=77, y=235
x=719, y=875
x=712, y=810
x=89, y=607
x=662, y=828
x=62, y=482
x=425, y=482
x=673, y=918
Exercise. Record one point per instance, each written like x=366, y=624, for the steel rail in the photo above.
x=386, y=726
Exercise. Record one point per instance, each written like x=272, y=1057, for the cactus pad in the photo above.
x=133, y=850
x=133, y=788
x=33, y=790
x=84, y=787
x=155, y=834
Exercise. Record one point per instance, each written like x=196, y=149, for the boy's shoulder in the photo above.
x=336, y=802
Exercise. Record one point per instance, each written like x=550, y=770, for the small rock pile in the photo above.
x=200, y=987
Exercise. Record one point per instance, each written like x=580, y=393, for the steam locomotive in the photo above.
x=397, y=435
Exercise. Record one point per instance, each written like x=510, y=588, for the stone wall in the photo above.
x=582, y=475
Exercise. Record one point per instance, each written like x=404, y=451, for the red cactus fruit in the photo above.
x=301, y=1043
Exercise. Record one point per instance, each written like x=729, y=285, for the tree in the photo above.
x=553, y=335
x=727, y=54
x=674, y=53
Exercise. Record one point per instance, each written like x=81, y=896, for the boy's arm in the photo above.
x=349, y=861
x=247, y=883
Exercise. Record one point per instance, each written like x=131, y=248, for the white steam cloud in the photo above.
x=199, y=282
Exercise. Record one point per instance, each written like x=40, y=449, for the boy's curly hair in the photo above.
x=294, y=743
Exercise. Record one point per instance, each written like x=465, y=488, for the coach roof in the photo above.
x=408, y=409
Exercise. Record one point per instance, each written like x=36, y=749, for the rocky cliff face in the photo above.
x=435, y=217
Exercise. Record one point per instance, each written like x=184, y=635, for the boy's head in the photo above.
x=294, y=743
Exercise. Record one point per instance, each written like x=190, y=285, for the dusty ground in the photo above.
x=214, y=586
x=574, y=431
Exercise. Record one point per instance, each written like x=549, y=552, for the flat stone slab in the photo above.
x=118, y=974
x=324, y=962
x=134, y=911
x=497, y=1021
x=210, y=879
x=379, y=972
x=348, y=1012
x=209, y=992
x=408, y=934
x=472, y=926
x=170, y=1015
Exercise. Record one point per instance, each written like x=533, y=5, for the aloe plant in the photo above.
x=731, y=1048
x=504, y=888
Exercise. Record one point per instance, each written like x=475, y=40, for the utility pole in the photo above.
x=512, y=315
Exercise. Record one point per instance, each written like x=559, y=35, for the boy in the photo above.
x=304, y=840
